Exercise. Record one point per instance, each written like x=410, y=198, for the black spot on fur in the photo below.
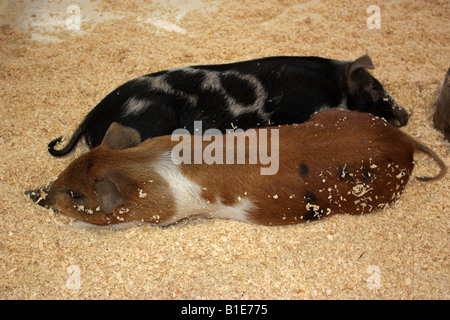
x=304, y=170
x=367, y=175
x=238, y=88
x=309, y=198
x=184, y=81
x=312, y=215
x=313, y=211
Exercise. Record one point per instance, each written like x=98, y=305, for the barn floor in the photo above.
x=57, y=62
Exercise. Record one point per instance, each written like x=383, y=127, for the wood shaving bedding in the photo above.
x=50, y=77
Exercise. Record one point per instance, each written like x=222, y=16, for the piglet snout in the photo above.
x=37, y=195
x=401, y=116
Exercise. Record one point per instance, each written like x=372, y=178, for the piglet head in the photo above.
x=91, y=188
x=367, y=94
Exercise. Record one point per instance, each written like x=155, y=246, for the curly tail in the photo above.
x=70, y=145
x=435, y=157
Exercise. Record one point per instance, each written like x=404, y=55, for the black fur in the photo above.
x=262, y=92
x=304, y=170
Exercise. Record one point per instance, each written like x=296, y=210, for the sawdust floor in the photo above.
x=52, y=74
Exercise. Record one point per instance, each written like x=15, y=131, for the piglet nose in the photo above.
x=36, y=195
x=401, y=116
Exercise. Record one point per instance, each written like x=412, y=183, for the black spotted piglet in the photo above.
x=256, y=93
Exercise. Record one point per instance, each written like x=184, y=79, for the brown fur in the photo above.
x=338, y=162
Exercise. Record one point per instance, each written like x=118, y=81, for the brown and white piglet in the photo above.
x=441, y=117
x=337, y=162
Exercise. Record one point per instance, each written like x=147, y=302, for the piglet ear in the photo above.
x=361, y=62
x=108, y=195
x=119, y=137
x=355, y=76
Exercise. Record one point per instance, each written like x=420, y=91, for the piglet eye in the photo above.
x=75, y=195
